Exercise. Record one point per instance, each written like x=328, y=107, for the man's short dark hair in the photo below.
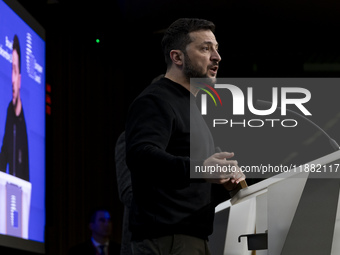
x=94, y=211
x=177, y=36
x=16, y=46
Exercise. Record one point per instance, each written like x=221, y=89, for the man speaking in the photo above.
x=14, y=150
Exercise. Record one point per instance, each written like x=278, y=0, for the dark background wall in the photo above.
x=93, y=84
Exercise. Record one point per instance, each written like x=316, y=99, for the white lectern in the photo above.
x=298, y=210
x=15, y=200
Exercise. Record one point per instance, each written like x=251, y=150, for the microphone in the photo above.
x=333, y=143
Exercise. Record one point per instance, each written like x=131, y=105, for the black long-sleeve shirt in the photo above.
x=158, y=139
x=14, y=149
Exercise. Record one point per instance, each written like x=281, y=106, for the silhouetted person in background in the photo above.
x=125, y=192
x=124, y=186
x=99, y=244
x=14, y=150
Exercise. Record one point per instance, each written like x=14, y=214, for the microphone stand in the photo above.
x=333, y=143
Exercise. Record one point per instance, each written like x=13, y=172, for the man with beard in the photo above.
x=170, y=212
x=14, y=150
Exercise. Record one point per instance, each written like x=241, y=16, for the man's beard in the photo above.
x=191, y=71
x=15, y=101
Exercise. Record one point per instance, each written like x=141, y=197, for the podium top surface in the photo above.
x=4, y=178
x=303, y=171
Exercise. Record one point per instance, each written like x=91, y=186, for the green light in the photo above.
x=97, y=41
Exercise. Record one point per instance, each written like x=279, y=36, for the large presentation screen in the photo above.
x=22, y=128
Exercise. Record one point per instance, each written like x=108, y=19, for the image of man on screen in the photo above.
x=14, y=150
